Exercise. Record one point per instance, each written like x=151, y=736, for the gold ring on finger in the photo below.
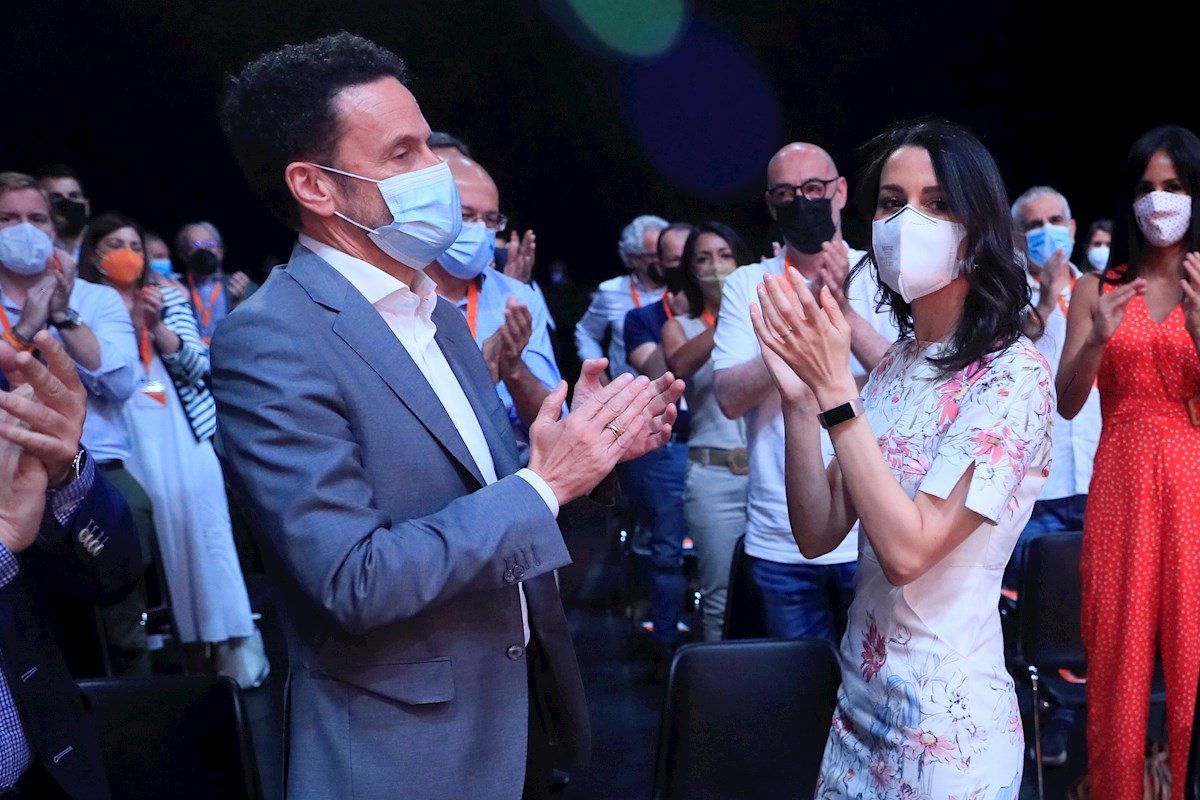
x=616, y=432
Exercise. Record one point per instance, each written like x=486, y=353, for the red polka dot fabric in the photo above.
x=1141, y=551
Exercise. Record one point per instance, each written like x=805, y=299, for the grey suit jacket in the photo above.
x=395, y=566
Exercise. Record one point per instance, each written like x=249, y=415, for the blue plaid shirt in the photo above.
x=15, y=755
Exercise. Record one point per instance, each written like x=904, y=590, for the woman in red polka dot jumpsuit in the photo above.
x=1137, y=334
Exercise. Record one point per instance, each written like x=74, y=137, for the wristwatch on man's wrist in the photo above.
x=68, y=321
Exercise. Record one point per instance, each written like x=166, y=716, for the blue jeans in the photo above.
x=1049, y=516
x=659, y=478
x=804, y=600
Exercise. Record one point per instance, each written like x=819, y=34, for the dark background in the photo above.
x=580, y=137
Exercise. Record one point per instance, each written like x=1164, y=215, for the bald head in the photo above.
x=801, y=164
x=797, y=158
x=476, y=189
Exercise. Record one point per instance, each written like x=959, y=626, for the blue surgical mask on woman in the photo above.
x=426, y=214
x=471, y=252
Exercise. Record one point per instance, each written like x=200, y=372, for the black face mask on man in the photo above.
x=74, y=214
x=203, y=263
x=806, y=224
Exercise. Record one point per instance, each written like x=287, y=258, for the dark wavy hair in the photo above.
x=687, y=267
x=282, y=108
x=99, y=227
x=1183, y=148
x=998, y=290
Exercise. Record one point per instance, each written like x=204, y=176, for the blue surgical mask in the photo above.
x=162, y=266
x=471, y=252
x=24, y=249
x=426, y=214
x=1043, y=241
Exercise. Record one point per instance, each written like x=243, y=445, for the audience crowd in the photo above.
x=1028, y=300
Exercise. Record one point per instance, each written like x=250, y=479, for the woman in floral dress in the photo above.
x=940, y=459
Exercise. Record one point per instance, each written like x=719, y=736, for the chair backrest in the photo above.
x=1049, y=603
x=746, y=719
x=174, y=736
x=744, y=614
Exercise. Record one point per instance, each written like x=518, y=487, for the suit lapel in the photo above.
x=453, y=336
x=362, y=328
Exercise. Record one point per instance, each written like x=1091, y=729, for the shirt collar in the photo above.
x=373, y=283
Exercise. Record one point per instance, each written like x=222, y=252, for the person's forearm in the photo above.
x=687, y=359
x=82, y=345
x=1076, y=376
x=526, y=390
x=866, y=343
x=165, y=340
x=648, y=360
x=741, y=388
x=816, y=527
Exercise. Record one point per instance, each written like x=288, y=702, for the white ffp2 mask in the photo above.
x=917, y=254
x=1163, y=217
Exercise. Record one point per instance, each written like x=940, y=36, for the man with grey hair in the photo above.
x=212, y=293
x=1045, y=232
x=613, y=299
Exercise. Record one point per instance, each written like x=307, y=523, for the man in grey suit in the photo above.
x=413, y=555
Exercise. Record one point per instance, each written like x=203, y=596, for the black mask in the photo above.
x=203, y=262
x=655, y=274
x=806, y=224
x=500, y=257
x=73, y=213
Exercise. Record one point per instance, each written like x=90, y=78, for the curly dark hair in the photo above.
x=687, y=267
x=282, y=108
x=998, y=293
x=1183, y=148
x=99, y=227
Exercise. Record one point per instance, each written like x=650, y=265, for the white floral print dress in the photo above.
x=927, y=708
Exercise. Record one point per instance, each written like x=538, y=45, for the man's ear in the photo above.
x=312, y=187
x=770, y=207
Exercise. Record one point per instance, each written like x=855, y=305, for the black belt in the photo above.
x=111, y=466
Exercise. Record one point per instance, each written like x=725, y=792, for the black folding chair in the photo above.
x=746, y=719
x=174, y=736
x=1049, y=639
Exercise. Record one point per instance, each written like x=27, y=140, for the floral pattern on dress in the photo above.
x=921, y=716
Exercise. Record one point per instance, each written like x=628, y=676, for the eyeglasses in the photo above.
x=206, y=244
x=811, y=189
x=494, y=220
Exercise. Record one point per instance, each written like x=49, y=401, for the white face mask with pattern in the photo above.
x=1163, y=217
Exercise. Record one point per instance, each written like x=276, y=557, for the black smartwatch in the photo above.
x=70, y=321
x=839, y=414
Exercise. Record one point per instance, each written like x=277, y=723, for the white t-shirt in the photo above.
x=768, y=530
x=1075, y=440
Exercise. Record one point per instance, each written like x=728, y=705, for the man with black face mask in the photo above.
x=805, y=195
x=71, y=206
x=212, y=292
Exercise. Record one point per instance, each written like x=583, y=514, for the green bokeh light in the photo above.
x=641, y=28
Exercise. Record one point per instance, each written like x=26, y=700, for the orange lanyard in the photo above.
x=666, y=304
x=1063, y=303
x=144, y=348
x=709, y=318
x=206, y=311
x=637, y=301
x=472, y=307
x=4, y=319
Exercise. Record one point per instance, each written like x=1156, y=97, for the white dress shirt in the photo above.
x=408, y=311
